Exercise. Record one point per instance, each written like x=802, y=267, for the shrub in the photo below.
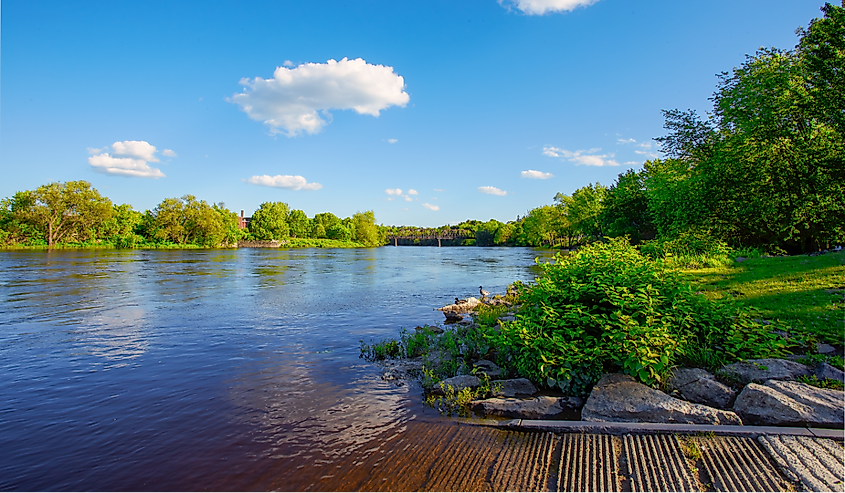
x=606, y=307
x=692, y=249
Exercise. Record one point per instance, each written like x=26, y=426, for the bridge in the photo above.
x=430, y=236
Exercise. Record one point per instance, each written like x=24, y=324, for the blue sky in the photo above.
x=484, y=109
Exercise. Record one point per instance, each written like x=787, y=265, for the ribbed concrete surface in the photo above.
x=818, y=464
x=656, y=463
x=737, y=464
x=588, y=463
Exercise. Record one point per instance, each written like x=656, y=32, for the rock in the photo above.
x=488, y=368
x=458, y=383
x=760, y=370
x=513, y=388
x=822, y=348
x=824, y=370
x=452, y=315
x=700, y=386
x=464, y=306
x=433, y=329
x=741, y=259
x=618, y=398
x=780, y=403
x=541, y=407
x=394, y=370
x=507, y=318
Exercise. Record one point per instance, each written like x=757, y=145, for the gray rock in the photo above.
x=458, y=383
x=824, y=370
x=541, y=407
x=453, y=315
x=760, y=370
x=512, y=388
x=741, y=259
x=822, y=348
x=780, y=403
x=433, y=329
x=700, y=386
x=489, y=368
x=618, y=398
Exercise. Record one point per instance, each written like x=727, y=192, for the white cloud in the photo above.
x=413, y=192
x=139, y=149
x=288, y=63
x=537, y=175
x=645, y=145
x=393, y=191
x=648, y=154
x=439, y=190
x=627, y=141
x=392, y=141
x=287, y=182
x=492, y=191
x=628, y=163
x=135, y=154
x=431, y=207
x=124, y=166
x=292, y=101
x=587, y=158
x=541, y=7
x=408, y=199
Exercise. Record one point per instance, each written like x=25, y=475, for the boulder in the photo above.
x=452, y=315
x=458, y=383
x=463, y=306
x=541, y=407
x=781, y=403
x=823, y=348
x=619, y=398
x=489, y=368
x=760, y=370
x=825, y=371
x=699, y=386
x=513, y=388
x=432, y=329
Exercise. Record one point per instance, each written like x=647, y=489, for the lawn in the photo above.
x=804, y=295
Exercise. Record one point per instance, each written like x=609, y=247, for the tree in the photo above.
x=269, y=222
x=821, y=54
x=323, y=222
x=584, y=211
x=366, y=231
x=71, y=211
x=187, y=220
x=625, y=208
x=339, y=232
x=299, y=224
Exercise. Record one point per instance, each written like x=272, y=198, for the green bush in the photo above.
x=606, y=308
x=692, y=249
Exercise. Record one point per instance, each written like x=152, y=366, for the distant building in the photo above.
x=243, y=222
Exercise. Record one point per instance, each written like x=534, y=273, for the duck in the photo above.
x=484, y=294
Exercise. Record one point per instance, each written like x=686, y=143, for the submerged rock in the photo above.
x=700, y=386
x=760, y=370
x=782, y=403
x=619, y=398
x=512, y=388
x=541, y=407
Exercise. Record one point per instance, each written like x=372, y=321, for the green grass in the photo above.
x=804, y=294
x=320, y=243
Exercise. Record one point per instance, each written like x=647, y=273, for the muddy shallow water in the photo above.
x=221, y=369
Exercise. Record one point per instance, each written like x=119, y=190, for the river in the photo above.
x=217, y=369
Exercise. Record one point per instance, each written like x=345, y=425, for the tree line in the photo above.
x=76, y=213
x=765, y=169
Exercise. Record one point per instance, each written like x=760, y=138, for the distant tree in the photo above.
x=821, y=55
x=625, y=208
x=270, y=221
x=231, y=232
x=366, y=231
x=71, y=211
x=187, y=220
x=584, y=211
x=323, y=222
x=299, y=224
x=339, y=232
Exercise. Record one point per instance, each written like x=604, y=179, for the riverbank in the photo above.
x=481, y=363
x=289, y=243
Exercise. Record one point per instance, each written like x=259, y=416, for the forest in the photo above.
x=763, y=171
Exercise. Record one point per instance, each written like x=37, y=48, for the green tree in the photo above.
x=339, y=232
x=821, y=54
x=71, y=211
x=121, y=228
x=270, y=221
x=366, y=231
x=299, y=224
x=625, y=208
x=231, y=233
x=584, y=211
x=323, y=222
x=187, y=220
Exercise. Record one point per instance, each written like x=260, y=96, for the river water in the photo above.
x=216, y=369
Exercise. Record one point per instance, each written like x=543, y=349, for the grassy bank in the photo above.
x=806, y=294
x=292, y=243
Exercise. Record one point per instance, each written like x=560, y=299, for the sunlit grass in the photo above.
x=801, y=292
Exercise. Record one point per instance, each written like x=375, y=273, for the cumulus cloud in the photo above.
x=587, y=158
x=542, y=7
x=492, y=191
x=392, y=141
x=288, y=182
x=129, y=158
x=297, y=100
x=645, y=145
x=537, y=175
x=648, y=154
x=413, y=192
x=628, y=163
x=439, y=190
x=431, y=207
x=393, y=191
x=626, y=141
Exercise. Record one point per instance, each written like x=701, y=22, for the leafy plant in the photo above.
x=827, y=383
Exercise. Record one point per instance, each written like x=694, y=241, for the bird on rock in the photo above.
x=484, y=294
